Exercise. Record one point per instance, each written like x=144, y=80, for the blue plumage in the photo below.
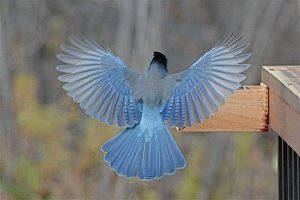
x=146, y=103
x=146, y=150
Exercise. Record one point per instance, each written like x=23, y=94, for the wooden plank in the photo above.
x=246, y=110
x=285, y=81
x=284, y=102
x=284, y=120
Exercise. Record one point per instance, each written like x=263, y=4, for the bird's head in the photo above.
x=159, y=59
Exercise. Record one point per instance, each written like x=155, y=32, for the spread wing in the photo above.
x=203, y=87
x=99, y=82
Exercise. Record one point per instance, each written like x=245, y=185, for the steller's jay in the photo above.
x=148, y=103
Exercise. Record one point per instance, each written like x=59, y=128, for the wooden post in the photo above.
x=284, y=102
x=284, y=119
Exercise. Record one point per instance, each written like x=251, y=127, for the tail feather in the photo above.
x=159, y=161
x=114, y=141
x=153, y=158
x=174, y=150
x=144, y=153
x=167, y=164
x=116, y=150
x=130, y=162
x=135, y=168
x=121, y=152
x=122, y=168
x=146, y=161
x=138, y=168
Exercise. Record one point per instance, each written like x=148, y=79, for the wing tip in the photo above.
x=247, y=55
x=65, y=47
x=61, y=78
x=58, y=68
x=60, y=57
x=72, y=38
x=62, y=46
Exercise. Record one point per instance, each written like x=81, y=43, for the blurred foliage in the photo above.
x=190, y=183
x=47, y=153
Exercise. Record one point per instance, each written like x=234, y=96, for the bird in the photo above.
x=148, y=104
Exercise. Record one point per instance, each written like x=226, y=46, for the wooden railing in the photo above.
x=284, y=119
x=273, y=106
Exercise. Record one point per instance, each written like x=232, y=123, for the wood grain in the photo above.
x=285, y=81
x=285, y=121
x=246, y=110
x=284, y=88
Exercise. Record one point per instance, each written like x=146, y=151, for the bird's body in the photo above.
x=143, y=146
x=150, y=102
x=157, y=76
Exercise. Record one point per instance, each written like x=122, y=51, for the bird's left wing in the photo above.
x=100, y=82
x=201, y=89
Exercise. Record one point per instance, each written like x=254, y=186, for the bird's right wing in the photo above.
x=201, y=89
x=100, y=82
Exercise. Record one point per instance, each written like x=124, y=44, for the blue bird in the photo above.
x=148, y=103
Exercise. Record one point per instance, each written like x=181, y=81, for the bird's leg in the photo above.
x=243, y=87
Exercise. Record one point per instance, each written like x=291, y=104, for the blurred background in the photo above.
x=49, y=149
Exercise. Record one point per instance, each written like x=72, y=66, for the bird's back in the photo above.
x=153, y=89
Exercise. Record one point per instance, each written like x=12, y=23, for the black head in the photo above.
x=159, y=58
